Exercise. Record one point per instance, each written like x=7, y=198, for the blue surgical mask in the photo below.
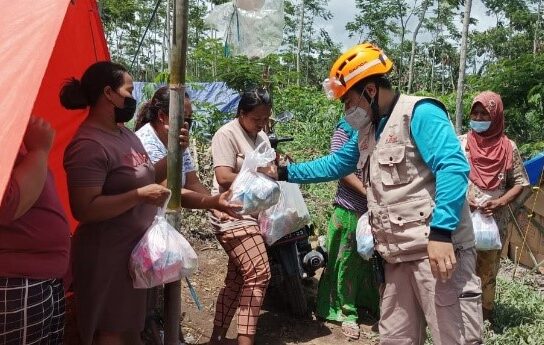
x=480, y=126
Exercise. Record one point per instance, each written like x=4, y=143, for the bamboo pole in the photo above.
x=178, y=59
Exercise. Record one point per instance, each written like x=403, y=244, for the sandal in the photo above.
x=351, y=329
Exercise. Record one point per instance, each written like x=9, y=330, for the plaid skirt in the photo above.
x=31, y=311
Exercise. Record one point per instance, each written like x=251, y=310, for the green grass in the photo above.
x=519, y=316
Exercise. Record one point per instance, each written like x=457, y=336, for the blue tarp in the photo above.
x=217, y=94
x=214, y=104
x=534, y=167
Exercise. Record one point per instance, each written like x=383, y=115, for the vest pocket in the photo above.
x=409, y=225
x=393, y=166
x=408, y=213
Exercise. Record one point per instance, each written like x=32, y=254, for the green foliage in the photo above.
x=519, y=81
x=519, y=315
x=207, y=120
x=530, y=149
x=240, y=72
x=377, y=22
x=312, y=128
x=314, y=122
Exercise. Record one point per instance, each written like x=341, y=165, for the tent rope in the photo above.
x=155, y=10
x=526, y=232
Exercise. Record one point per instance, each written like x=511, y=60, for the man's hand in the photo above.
x=270, y=171
x=442, y=259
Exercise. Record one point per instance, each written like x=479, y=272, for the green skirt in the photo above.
x=346, y=283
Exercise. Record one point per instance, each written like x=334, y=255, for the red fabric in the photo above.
x=28, y=34
x=490, y=151
x=35, y=245
x=80, y=43
x=42, y=44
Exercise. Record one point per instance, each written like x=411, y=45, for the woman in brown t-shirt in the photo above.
x=248, y=270
x=114, y=196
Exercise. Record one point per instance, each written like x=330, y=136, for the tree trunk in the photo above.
x=433, y=57
x=536, y=41
x=462, y=65
x=424, y=6
x=299, y=43
x=400, y=57
x=403, y=24
x=169, y=31
x=443, y=75
x=165, y=34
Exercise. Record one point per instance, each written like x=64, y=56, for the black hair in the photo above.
x=380, y=81
x=252, y=98
x=149, y=111
x=79, y=94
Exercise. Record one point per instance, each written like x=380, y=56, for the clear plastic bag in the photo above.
x=253, y=28
x=364, y=237
x=486, y=232
x=255, y=191
x=287, y=216
x=162, y=256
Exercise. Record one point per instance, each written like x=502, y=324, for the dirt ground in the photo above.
x=276, y=326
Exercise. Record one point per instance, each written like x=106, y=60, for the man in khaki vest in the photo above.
x=416, y=176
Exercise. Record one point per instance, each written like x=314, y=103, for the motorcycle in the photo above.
x=292, y=258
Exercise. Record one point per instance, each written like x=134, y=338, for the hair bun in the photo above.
x=72, y=95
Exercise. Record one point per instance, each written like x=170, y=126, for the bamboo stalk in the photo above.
x=178, y=60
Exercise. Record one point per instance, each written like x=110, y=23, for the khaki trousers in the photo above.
x=412, y=299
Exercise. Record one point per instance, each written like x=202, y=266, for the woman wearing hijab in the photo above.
x=497, y=177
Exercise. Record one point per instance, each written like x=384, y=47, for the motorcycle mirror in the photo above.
x=284, y=116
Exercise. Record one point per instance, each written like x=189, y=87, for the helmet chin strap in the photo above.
x=373, y=101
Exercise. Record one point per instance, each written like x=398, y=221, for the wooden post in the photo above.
x=178, y=59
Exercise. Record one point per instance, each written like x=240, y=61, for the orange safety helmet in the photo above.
x=357, y=63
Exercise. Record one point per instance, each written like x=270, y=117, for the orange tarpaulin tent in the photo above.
x=42, y=43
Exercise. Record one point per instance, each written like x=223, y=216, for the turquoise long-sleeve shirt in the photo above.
x=435, y=138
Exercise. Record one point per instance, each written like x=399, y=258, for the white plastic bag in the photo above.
x=486, y=232
x=287, y=216
x=253, y=28
x=162, y=256
x=255, y=191
x=364, y=237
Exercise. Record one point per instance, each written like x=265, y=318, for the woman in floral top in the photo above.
x=497, y=176
x=152, y=129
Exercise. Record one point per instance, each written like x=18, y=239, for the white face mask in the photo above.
x=357, y=118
